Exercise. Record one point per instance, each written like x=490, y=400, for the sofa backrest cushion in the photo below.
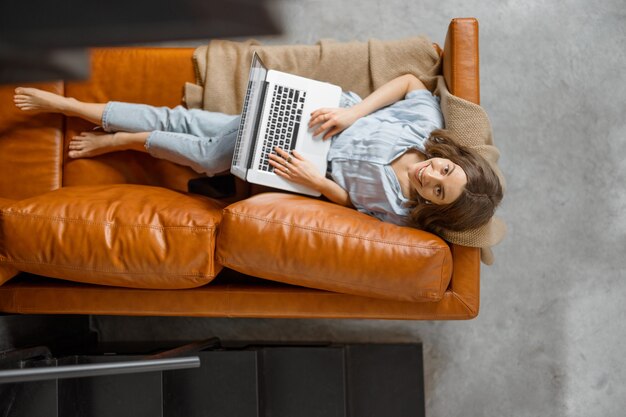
x=317, y=244
x=154, y=76
x=121, y=235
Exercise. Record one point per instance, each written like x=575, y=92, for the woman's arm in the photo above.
x=299, y=170
x=335, y=120
x=332, y=191
x=388, y=93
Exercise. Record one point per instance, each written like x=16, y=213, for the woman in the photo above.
x=388, y=157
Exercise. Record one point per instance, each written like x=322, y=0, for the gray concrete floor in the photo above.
x=549, y=337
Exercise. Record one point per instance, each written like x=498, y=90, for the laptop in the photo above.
x=276, y=112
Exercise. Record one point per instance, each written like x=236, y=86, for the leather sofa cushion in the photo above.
x=30, y=146
x=154, y=76
x=317, y=244
x=6, y=272
x=123, y=235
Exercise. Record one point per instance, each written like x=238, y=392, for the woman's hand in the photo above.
x=334, y=120
x=295, y=168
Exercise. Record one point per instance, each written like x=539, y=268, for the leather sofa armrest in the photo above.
x=461, y=59
x=461, y=70
x=6, y=272
x=31, y=146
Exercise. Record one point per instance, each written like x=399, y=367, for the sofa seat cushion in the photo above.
x=317, y=244
x=123, y=235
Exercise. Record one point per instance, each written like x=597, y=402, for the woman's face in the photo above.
x=437, y=180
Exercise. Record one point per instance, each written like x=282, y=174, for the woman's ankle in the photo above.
x=70, y=107
x=130, y=141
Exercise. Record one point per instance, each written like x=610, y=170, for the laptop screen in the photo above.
x=251, y=107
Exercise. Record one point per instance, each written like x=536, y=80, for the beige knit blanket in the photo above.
x=222, y=69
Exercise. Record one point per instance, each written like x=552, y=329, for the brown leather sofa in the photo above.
x=119, y=235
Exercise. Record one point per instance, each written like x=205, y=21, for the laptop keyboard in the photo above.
x=283, y=122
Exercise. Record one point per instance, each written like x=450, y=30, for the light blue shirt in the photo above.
x=360, y=157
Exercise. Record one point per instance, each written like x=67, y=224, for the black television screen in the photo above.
x=43, y=40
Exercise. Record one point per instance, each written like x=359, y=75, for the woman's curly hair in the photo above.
x=479, y=199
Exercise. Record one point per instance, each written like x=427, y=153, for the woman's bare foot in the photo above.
x=33, y=99
x=89, y=144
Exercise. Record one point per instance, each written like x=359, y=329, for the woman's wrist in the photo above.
x=332, y=191
x=321, y=184
x=360, y=110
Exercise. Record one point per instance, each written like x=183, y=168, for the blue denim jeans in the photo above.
x=199, y=139
x=202, y=140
